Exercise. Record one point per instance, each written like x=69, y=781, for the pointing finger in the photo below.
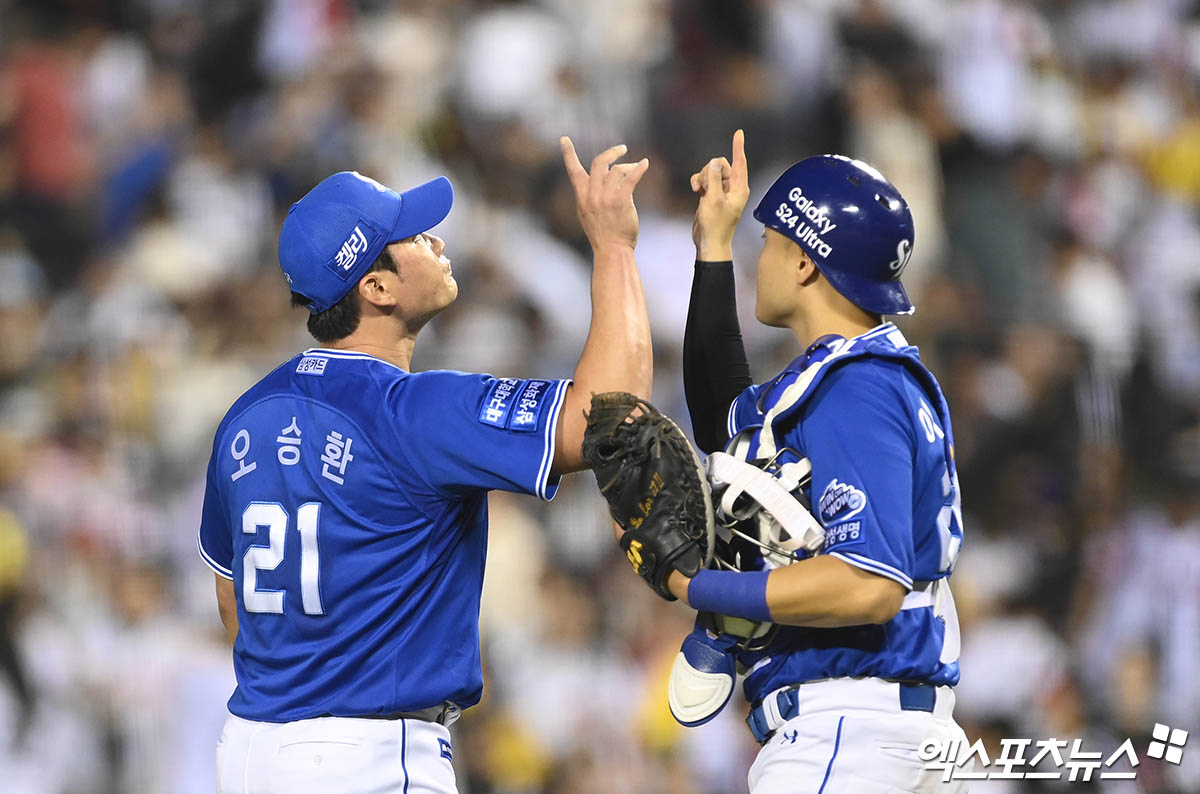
x=739, y=175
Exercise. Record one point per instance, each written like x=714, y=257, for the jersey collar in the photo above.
x=886, y=330
x=330, y=352
x=828, y=344
x=820, y=350
x=824, y=347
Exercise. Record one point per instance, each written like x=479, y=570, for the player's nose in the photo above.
x=439, y=244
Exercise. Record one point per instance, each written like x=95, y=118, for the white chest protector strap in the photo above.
x=945, y=608
x=922, y=595
x=769, y=493
x=937, y=594
x=792, y=395
x=799, y=389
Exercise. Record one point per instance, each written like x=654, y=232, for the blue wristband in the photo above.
x=740, y=595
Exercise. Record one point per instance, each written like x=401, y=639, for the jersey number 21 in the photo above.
x=274, y=518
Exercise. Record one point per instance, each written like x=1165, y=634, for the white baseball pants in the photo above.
x=851, y=737
x=334, y=755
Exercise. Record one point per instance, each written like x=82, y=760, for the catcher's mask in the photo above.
x=763, y=522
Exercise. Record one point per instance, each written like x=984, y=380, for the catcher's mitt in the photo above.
x=655, y=486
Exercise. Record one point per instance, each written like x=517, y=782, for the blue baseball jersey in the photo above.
x=347, y=501
x=874, y=424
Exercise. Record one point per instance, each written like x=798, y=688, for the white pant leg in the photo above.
x=334, y=755
x=856, y=752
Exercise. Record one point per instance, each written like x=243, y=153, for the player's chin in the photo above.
x=766, y=316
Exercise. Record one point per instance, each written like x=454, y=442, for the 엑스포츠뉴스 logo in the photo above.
x=840, y=501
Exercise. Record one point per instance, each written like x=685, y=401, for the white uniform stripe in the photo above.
x=874, y=566
x=211, y=563
x=548, y=451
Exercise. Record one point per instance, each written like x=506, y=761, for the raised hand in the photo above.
x=724, y=189
x=604, y=197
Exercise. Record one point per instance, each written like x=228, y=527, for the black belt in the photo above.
x=445, y=714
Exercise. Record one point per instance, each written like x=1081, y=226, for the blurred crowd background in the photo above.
x=149, y=148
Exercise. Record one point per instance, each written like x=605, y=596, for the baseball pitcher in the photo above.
x=345, y=515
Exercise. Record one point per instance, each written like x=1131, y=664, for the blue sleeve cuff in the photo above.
x=734, y=593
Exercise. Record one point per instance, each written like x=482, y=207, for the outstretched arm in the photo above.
x=821, y=591
x=617, y=354
x=861, y=576
x=715, y=368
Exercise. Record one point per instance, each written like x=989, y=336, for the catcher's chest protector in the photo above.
x=779, y=409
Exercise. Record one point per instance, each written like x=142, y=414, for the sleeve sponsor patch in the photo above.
x=528, y=408
x=839, y=502
x=312, y=365
x=499, y=401
x=849, y=531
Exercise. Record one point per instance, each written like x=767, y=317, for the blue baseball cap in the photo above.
x=333, y=235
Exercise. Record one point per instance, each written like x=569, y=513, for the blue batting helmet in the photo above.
x=852, y=223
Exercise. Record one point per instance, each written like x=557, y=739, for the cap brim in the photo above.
x=422, y=208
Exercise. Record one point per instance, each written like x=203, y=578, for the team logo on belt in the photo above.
x=840, y=501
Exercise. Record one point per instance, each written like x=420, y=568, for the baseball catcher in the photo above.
x=836, y=508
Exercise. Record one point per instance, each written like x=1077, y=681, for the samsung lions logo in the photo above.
x=839, y=502
x=903, y=252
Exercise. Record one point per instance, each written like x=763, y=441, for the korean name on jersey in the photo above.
x=346, y=499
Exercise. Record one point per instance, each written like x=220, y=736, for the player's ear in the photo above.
x=374, y=288
x=806, y=269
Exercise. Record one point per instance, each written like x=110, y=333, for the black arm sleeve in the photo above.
x=715, y=369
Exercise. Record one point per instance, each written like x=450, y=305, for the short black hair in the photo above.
x=341, y=319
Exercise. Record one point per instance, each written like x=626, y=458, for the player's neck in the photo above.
x=385, y=336
x=396, y=351
x=839, y=317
